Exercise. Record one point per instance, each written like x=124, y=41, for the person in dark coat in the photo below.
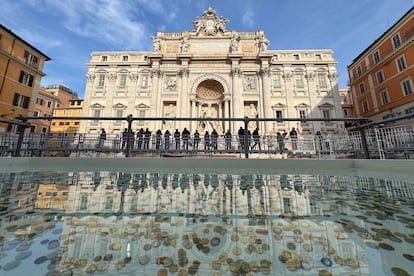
x=140, y=138
x=294, y=138
x=240, y=133
x=102, y=138
x=147, y=137
x=124, y=137
x=227, y=140
x=167, y=136
x=196, y=139
x=186, y=136
x=214, y=139
x=256, y=138
x=177, y=139
x=158, y=135
x=206, y=140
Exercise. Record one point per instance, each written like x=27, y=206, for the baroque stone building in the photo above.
x=211, y=72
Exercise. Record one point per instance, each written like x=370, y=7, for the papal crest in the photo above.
x=210, y=24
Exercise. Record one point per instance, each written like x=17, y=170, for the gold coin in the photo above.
x=237, y=250
x=234, y=237
x=216, y=264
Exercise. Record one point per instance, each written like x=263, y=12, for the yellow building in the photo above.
x=21, y=70
x=74, y=109
x=52, y=196
x=45, y=104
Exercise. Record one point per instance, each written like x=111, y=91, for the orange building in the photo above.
x=45, y=104
x=21, y=70
x=381, y=77
x=70, y=125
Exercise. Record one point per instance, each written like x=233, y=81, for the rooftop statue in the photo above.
x=210, y=24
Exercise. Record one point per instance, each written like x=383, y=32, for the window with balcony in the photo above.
x=380, y=77
x=359, y=71
x=101, y=81
x=122, y=80
x=30, y=59
x=384, y=96
x=26, y=79
x=299, y=80
x=407, y=86
x=396, y=41
x=365, y=106
x=276, y=81
x=401, y=63
x=376, y=56
x=20, y=100
x=361, y=88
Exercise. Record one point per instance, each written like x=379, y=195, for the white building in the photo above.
x=210, y=72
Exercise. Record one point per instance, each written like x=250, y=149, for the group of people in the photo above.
x=184, y=140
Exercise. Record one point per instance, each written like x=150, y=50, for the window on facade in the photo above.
x=67, y=123
x=76, y=123
x=299, y=80
x=141, y=113
x=109, y=202
x=279, y=114
x=144, y=82
x=101, y=81
x=36, y=113
x=61, y=123
x=318, y=57
x=380, y=77
x=401, y=63
x=384, y=97
x=365, y=106
x=122, y=80
x=296, y=57
x=361, y=88
x=322, y=80
x=359, y=71
x=407, y=86
x=26, y=79
x=124, y=58
x=302, y=114
x=39, y=101
x=345, y=111
x=326, y=113
x=96, y=113
x=72, y=103
x=396, y=41
x=83, y=202
x=376, y=56
x=21, y=100
x=49, y=104
x=104, y=58
x=276, y=80
x=30, y=59
x=119, y=113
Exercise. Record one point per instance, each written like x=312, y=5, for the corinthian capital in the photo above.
x=264, y=71
x=133, y=76
x=236, y=71
x=90, y=77
x=156, y=73
x=184, y=72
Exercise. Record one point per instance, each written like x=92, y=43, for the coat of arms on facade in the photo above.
x=210, y=24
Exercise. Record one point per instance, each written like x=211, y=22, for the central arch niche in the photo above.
x=210, y=96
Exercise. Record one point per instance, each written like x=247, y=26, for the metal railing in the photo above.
x=369, y=139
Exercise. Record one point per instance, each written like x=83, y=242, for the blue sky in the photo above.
x=68, y=31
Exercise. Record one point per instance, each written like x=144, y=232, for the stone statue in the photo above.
x=156, y=43
x=252, y=111
x=184, y=45
x=210, y=24
x=234, y=43
x=263, y=43
x=250, y=82
x=197, y=25
x=170, y=113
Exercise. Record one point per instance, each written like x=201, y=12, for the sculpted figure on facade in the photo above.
x=170, y=84
x=251, y=111
x=184, y=44
x=263, y=43
x=170, y=113
x=250, y=82
x=234, y=43
x=156, y=44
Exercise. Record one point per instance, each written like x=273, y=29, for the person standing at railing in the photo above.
x=167, y=136
x=227, y=140
x=102, y=138
x=256, y=139
x=186, y=136
x=240, y=133
x=140, y=138
x=214, y=139
x=294, y=138
x=158, y=135
x=196, y=139
x=206, y=140
x=177, y=139
x=280, y=138
x=147, y=137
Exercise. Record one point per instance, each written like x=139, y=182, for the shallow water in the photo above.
x=204, y=224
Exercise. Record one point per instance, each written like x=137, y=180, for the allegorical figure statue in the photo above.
x=156, y=43
x=234, y=43
x=184, y=45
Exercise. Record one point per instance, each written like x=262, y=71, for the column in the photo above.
x=266, y=99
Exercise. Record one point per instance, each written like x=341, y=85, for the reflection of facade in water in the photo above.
x=137, y=214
